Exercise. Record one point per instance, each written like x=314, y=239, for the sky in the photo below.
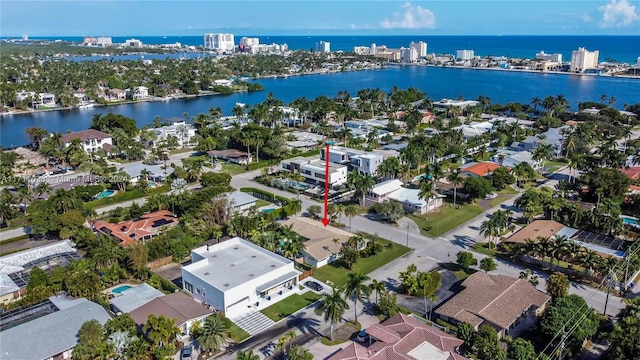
x=304, y=17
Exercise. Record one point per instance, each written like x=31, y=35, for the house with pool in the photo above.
x=237, y=277
x=131, y=231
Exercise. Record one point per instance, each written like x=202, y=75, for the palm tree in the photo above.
x=285, y=340
x=333, y=306
x=543, y=152
x=356, y=289
x=362, y=183
x=377, y=286
x=455, y=179
x=488, y=229
x=247, y=355
x=521, y=172
x=588, y=258
x=295, y=205
x=214, y=333
x=425, y=193
x=293, y=247
x=351, y=211
x=160, y=330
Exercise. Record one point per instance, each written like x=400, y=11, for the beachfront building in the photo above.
x=421, y=48
x=510, y=305
x=131, y=231
x=582, y=60
x=237, y=277
x=361, y=161
x=323, y=47
x=91, y=140
x=447, y=103
x=464, y=54
x=51, y=336
x=132, y=43
x=247, y=41
x=549, y=57
x=314, y=171
x=223, y=42
x=408, y=55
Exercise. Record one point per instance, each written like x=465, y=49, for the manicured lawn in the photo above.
x=502, y=196
x=337, y=274
x=236, y=333
x=341, y=333
x=233, y=169
x=260, y=203
x=445, y=218
x=483, y=248
x=290, y=305
x=552, y=166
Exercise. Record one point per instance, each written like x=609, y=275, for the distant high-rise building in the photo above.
x=421, y=48
x=408, y=55
x=464, y=54
x=133, y=43
x=103, y=41
x=549, y=57
x=583, y=59
x=25, y=37
x=223, y=42
x=374, y=49
x=638, y=61
x=323, y=47
x=246, y=41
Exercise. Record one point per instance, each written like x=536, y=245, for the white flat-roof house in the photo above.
x=394, y=190
x=140, y=92
x=314, y=170
x=240, y=201
x=238, y=277
x=180, y=130
x=361, y=161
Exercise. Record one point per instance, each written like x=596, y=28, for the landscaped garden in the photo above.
x=336, y=273
x=445, y=218
x=290, y=305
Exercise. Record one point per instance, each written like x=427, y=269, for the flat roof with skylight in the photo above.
x=233, y=263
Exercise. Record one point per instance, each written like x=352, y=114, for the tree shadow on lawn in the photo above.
x=306, y=326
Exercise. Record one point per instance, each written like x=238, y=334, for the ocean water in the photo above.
x=438, y=82
x=620, y=48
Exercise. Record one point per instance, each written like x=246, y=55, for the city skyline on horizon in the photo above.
x=311, y=18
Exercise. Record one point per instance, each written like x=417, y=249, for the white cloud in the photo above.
x=411, y=17
x=586, y=18
x=617, y=14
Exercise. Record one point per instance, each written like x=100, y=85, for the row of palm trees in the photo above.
x=497, y=225
x=358, y=288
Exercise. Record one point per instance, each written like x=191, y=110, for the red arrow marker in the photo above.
x=325, y=220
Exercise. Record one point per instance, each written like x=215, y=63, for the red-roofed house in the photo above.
x=402, y=337
x=129, y=232
x=478, y=169
x=632, y=173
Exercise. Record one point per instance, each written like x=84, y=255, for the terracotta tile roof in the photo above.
x=84, y=135
x=496, y=299
x=178, y=306
x=538, y=228
x=397, y=337
x=632, y=173
x=481, y=169
x=128, y=232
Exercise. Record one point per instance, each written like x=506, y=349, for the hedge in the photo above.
x=258, y=165
x=283, y=200
x=128, y=195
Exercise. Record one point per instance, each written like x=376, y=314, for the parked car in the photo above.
x=186, y=353
x=313, y=285
x=491, y=196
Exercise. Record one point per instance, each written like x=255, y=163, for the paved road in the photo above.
x=12, y=233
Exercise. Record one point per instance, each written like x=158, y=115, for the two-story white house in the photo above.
x=237, y=277
x=180, y=130
x=91, y=140
x=314, y=171
x=140, y=92
x=361, y=161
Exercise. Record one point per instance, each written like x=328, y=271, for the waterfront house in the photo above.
x=237, y=277
x=403, y=337
x=510, y=305
x=131, y=231
x=91, y=140
x=47, y=100
x=179, y=129
x=140, y=92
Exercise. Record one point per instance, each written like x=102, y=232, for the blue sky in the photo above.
x=442, y=17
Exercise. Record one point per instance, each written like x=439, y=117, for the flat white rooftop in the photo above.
x=234, y=262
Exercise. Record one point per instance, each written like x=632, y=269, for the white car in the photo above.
x=491, y=196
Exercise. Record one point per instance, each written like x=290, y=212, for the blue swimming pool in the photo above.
x=105, y=194
x=266, y=211
x=120, y=289
x=629, y=220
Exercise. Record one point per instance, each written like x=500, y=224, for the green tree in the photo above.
x=351, y=211
x=285, y=340
x=488, y=264
x=91, y=341
x=486, y=344
x=247, y=355
x=357, y=289
x=333, y=306
x=501, y=177
x=558, y=285
x=214, y=333
x=388, y=304
x=455, y=179
x=560, y=316
x=477, y=187
x=314, y=210
x=626, y=333
x=521, y=349
x=349, y=255
x=465, y=333
x=465, y=259
x=378, y=287
x=121, y=323
x=161, y=331
x=297, y=352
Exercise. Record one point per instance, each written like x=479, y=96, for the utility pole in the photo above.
x=562, y=344
x=408, y=226
x=606, y=301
